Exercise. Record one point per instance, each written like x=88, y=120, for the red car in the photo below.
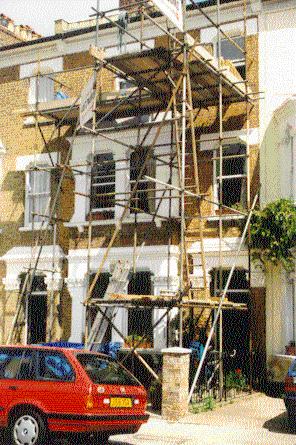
x=45, y=389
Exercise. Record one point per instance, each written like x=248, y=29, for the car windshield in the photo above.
x=101, y=370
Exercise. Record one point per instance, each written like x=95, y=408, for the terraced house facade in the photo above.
x=75, y=201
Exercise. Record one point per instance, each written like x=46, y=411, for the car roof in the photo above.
x=50, y=348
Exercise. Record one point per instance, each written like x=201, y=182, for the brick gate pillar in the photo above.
x=175, y=374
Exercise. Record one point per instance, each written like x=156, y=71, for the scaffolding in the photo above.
x=172, y=84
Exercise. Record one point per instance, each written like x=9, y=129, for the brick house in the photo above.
x=40, y=82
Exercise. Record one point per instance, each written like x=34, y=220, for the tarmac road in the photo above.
x=254, y=419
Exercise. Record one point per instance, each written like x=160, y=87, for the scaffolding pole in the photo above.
x=222, y=298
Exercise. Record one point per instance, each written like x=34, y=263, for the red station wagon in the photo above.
x=46, y=389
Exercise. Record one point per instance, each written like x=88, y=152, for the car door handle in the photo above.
x=14, y=388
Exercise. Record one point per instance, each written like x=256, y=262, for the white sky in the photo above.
x=41, y=14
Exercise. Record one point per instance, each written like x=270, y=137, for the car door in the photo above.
x=57, y=384
x=16, y=377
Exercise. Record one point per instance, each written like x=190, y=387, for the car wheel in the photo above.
x=27, y=428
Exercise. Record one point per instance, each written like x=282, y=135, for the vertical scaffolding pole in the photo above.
x=183, y=157
x=222, y=298
x=220, y=111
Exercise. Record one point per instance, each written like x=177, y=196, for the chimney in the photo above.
x=20, y=32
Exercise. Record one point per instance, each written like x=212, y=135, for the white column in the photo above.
x=77, y=290
x=160, y=333
x=81, y=202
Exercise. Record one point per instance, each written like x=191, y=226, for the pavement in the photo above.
x=252, y=419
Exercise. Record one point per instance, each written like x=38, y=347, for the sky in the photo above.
x=40, y=14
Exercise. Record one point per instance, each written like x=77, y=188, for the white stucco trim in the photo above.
x=150, y=258
x=25, y=162
x=81, y=155
x=211, y=141
x=229, y=248
x=19, y=259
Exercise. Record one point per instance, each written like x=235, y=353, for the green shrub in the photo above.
x=273, y=234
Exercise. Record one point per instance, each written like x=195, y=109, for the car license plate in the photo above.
x=121, y=402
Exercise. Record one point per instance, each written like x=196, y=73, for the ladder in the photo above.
x=116, y=285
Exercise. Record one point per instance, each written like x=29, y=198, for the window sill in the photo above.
x=37, y=226
x=81, y=224
x=225, y=217
x=105, y=222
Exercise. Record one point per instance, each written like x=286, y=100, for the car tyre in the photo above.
x=27, y=427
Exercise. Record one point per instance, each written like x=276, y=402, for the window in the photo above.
x=144, y=198
x=37, y=194
x=125, y=85
x=231, y=52
x=16, y=364
x=53, y=366
x=105, y=371
x=233, y=176
x=238, y=288
x=103, y=186
x=41, y=87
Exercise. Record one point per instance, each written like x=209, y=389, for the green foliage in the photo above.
x=207, y=404
x=237, y=380
x=273, y=233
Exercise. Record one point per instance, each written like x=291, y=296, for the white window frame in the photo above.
x=36, y=200
x=46, y=83
x=216, y=177
x=216, y=288
x=81, y=155
x=26, y=164
x=237, y=62
x=210, y=142
x=109, y=182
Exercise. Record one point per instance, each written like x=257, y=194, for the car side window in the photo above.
x=16, y=364
x=54, y=366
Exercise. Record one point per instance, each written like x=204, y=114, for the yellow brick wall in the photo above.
x=78, y=68
x=6, y=38
x=234, y=118
x=20, y=141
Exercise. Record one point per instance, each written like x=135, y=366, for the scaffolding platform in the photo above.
x=152, y=71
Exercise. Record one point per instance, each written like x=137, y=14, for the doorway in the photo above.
x=36, y=310
x=140, y=319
